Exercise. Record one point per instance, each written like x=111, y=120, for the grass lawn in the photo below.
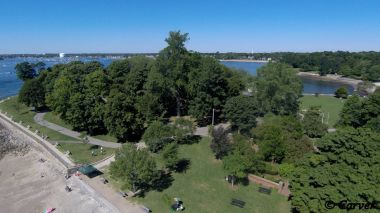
x=53, y=118
x=81, y=153
x=20, y=112
x=105, y=138
x=203, y=188
x=331, y=106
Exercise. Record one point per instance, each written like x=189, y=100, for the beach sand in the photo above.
x=28, y=185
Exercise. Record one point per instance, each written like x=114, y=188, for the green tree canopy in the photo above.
x=157, y=135
x=220, y=143
x=341, y=92
x=347, y=168
x=32, y=93
x=170, y=156
x=278, y=88
x=26, y=70
x=242, y=111
x=312, y=123
x=281, y=138
x=136, y=169
x=121, y=117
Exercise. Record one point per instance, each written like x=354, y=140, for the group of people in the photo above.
x=178, y=205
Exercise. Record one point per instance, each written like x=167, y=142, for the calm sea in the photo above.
x=10, y=85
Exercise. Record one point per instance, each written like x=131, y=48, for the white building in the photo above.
x=61, y=55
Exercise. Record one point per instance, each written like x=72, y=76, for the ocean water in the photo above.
x=10, y=85
x=309, y=85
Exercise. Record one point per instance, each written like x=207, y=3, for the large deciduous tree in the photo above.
x=312, y=123
x=208, y=89
x=242, y=111
x=32, y=93
x=136, y=169
x=242, y=160
x=170, y=156
x=121, y=118
x=26, y=70
x=281, y=138
x=279, y=88
x=220, y=143
x=171, y=63
x=157, y=135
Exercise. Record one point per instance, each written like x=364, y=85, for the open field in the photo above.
x=20, y=112
x=82, y=153
x=330, y=106
x=202, y=188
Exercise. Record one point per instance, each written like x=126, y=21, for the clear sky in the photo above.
x=42, y=26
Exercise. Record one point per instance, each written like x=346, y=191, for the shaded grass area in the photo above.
x=330, y=106
x=82, y=153
x=53, y=118
x=20, y=112
x=105, y=138
x=202, y=187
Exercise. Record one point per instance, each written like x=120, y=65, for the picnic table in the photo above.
x=238, y=203
x=265, y=190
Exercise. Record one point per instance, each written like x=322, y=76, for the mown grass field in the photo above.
x=330, y=106
x=202, y=188
x=82, y=153
x=20, y=112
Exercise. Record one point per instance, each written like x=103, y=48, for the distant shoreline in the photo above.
x=332, y=78
x=244, y=60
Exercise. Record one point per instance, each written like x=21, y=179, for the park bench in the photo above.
x=265, y=190
x=238, y=203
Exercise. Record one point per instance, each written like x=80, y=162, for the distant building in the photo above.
x=61, y=55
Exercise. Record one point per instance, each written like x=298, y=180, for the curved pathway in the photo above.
x=39, y=118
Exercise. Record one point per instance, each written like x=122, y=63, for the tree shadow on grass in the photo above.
x=92, y=147
x=183, y=165
x=190, y=139
x=163, y=182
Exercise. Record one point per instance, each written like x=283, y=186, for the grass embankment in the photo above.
x=20, y=112
x=202, y=188
x=80, y=153
x=330, y=106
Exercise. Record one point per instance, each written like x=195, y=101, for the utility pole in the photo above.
x=213, y=116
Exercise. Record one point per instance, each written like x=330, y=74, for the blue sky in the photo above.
x=79, y=26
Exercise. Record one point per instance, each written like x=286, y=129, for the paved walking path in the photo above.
x=39, y=118
x=203, y=131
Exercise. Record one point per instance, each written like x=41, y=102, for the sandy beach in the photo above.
x=30, y=185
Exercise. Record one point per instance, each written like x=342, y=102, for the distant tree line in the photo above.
x=361, y=65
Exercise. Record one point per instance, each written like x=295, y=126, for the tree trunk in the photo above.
x=178, y=101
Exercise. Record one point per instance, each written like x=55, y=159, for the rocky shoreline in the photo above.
x=329, y=77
